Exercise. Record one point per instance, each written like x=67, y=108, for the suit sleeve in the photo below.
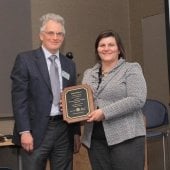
x=20, y=81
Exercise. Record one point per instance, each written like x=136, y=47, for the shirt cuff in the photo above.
x=27, y=131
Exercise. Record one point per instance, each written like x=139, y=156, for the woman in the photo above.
x=115, y=132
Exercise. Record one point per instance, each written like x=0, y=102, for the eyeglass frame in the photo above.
x=52, y=34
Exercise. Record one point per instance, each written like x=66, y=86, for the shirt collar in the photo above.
x=48, y=54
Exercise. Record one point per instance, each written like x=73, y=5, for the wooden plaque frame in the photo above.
x=77, y=103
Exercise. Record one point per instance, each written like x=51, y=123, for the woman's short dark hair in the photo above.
x=110, y=33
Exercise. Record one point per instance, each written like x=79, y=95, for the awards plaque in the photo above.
x=77, y=103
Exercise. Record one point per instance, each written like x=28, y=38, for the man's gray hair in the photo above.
x=51, y=16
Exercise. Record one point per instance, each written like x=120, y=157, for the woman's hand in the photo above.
x=96, y=115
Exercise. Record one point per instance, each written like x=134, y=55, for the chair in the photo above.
x=156, y=115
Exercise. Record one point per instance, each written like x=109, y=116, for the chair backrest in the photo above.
x=156, y=113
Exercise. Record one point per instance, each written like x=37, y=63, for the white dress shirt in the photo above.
x=54, y=109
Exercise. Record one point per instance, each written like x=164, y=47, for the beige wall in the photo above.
x=139, y=10
x=148, y=45
x=155, y=57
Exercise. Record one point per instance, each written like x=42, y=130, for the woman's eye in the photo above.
x=102, y=45
x=111, y=45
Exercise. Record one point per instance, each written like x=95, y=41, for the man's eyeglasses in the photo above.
x=52, y=34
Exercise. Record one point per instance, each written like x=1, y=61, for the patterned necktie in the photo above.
x=54, y=77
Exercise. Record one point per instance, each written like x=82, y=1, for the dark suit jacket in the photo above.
x=32, y=95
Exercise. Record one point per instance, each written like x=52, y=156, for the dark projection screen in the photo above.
x=15, y=36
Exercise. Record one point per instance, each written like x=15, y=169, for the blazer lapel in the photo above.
x=42, y=66
x=111, y=77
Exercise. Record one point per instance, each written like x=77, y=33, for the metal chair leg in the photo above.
x=164, y=151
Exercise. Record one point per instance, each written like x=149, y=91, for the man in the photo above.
x=39, y=127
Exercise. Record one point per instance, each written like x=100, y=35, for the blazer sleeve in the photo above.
x=20, y=80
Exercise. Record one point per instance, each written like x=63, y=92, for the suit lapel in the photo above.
x=42, y=66
x=63, y=66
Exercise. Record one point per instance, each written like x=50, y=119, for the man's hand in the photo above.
x=27, y=141
x=77, y=143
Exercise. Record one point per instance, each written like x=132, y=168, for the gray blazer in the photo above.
x=121, y=95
